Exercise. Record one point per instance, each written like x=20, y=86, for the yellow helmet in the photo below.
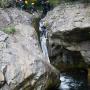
x=33, y=3
x=26, y=2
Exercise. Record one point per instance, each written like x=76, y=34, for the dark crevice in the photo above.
x=76, y=35
x=67, y=58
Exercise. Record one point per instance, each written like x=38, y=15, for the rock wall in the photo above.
x=69, y=27
x=22, y=64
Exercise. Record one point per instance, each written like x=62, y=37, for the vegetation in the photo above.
x=5, y=3
x=54, y=2
x=10, y=30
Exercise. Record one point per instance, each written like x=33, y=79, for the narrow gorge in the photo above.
x=60, y=61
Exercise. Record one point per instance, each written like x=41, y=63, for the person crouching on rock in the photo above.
x=32, y=8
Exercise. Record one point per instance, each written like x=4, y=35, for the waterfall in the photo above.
x=43, y=40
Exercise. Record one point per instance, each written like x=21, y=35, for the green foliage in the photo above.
x=57, y=2
x=10, y=30
x=54, y=2
x=4, y=3
x=84, y=1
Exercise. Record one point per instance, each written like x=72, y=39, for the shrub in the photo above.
x=5, y=3
x=54, y=2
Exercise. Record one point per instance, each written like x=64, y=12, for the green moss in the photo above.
x=54, y=2
x=65, y=67
x=51, y=85
x=26, y=84
x=10, y=30
x=35, y=24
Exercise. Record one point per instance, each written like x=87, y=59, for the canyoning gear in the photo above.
x=32, y=8
x=20, y=4
x=42, y=29
x=46, y=7
x=26, y=2
x=17, y=2
x=43, y=32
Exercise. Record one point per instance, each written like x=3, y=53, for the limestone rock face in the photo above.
x=14, y=16
x=69, y=27
x=21, y=59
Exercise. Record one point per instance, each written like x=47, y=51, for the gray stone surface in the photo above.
x=20, y=53
x=69, y=26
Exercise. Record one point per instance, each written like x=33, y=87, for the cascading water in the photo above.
x=73, y=80
x=43, y=41
x=76, y=80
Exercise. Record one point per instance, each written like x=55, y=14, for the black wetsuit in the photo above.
x=45, y=5
x=43, y=32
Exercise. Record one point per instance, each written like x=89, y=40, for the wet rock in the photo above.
x=69, y=27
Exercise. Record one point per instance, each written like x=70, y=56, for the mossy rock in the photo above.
x=53, y=81
x=10, y=30
x=52, y=84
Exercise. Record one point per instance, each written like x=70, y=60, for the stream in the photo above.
x=74, y=81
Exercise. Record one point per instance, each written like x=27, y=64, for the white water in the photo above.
x=74, y=81
x=43, y=40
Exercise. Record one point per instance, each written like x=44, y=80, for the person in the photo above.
x=17, y=2
x=25, y=4
x=32, y=8
x=20, y=4
x=44, y=32
x=42, y=29
x=46, y=7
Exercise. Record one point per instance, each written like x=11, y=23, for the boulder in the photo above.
x=21, y=58
x=69, y=27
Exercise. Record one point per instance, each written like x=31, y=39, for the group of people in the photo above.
x=26, y=5
x=30, y=5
